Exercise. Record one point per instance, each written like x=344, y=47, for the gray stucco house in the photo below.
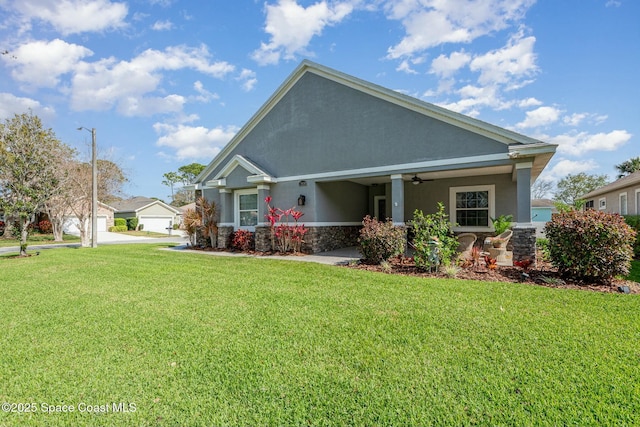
x=353, y=148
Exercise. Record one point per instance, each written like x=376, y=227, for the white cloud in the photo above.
x=248, y=79
x=446, y=66
x=162, y=26
x=194, y=142
x=292, y=26
x=509, y=65
x=204, y=95
x=578, y=143
x=578, y=118
x=107, y=83
x=529, y=102
x=565, y=167
x=74, y=16
x=542, y=116
x=11, y=104
x=430, y=23
x=41, y=63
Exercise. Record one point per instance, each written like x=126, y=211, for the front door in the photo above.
x=380, y=207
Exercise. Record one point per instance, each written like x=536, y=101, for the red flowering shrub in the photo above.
x=45, y=227
x=243, y=240
x=593, y=246
x=285, y=235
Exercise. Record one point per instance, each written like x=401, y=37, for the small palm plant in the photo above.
x=208, y=212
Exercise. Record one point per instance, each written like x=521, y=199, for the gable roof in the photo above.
x=519, y=145
x=625, y=181
x=136, y=204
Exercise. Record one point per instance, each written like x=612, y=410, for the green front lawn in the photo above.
x=193, y=339
x=39, y=239
x=634, y=274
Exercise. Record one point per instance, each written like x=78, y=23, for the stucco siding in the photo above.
x=341, y=202
x=321, y=126
x=427, y=195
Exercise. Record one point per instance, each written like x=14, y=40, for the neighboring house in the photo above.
x=104, y=219
x=621, y=196
x=153, y=214
x=339, y=148
x=541, y=210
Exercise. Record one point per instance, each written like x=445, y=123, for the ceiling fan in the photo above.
x=417, y=180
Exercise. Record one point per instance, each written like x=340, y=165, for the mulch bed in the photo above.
x=544, y=274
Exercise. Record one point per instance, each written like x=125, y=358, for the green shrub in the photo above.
x=120, y=222
x=433, y=233
x=590, y=245
x=379, y=240
x=501, y=223
x=118, y=228
x=634, y=222
x=542, y=244
x=140, y=227
x=132, y=223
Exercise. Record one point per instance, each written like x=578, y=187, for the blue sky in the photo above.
x=168, y=82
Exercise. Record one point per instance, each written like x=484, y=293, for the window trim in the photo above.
x=236, y=208
x=602, y=203
x=626, y=203
x=491, y=189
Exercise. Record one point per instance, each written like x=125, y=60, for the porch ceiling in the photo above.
x=432, y=175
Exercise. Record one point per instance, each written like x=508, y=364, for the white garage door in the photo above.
x=102, y=223
x=157, y=224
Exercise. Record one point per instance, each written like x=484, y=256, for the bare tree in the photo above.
x=541, y=189
x=209, y=214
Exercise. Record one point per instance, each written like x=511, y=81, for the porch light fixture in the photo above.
x=301, y=200
x=302, y=183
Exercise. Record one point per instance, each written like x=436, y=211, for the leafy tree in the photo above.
x=190, y=172
x=28, y=170
x=628, y=167
x=572, y=187
x=170, y=179
x=186, y=175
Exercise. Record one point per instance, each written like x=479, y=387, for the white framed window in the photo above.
x=246, y=209
x=602, y=203
x=589, y=204
x=472, y=207
x=622, y=198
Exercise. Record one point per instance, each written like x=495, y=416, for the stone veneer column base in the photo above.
x=524, y=243
x=224, y=237
x=262, y=237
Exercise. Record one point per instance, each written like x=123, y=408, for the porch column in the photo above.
x=523, y=197
x=263, y=232
x=225, y=225
x=524, y=233
x=397, y=199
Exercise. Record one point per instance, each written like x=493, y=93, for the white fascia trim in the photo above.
x=215, y=183
x=261, y=179
x=396, y=169
x=226, y=224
